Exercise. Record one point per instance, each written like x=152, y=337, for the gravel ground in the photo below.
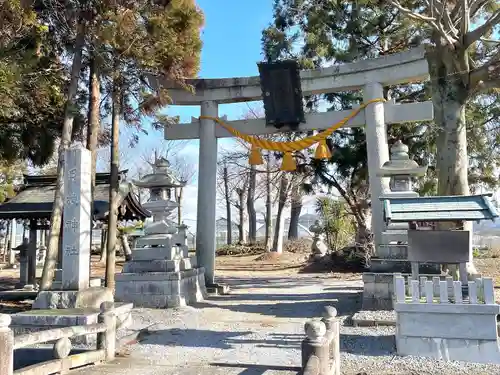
x=258, y=329
x=383, y=315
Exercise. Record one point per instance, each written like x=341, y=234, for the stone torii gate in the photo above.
x=370, y=76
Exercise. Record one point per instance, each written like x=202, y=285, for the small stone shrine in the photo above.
x=161, y=273
x=318, y=247
x=392, y=254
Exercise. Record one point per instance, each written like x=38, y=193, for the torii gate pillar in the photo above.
x=377, y=154
x=207, y=192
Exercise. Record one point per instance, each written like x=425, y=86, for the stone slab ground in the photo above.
x=258, y=329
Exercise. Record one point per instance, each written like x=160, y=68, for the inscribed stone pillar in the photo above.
x=377, y=154
x=32, y=252
x=76, y=219
x=205, y=225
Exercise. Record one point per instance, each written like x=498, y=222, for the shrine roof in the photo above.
x=439, y=208
x=35, y=198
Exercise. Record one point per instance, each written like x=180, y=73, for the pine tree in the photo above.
x=143, y=39
x=320, y=33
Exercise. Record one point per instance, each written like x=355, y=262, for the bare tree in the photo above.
x=232, y=187
x=268, y=217
x=223, y=172
x=184, y=171
x=284, y=190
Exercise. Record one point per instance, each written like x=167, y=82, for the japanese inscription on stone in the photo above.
x=77, y=228
x=70, y=250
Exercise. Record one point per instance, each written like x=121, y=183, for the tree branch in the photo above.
x=476, y=6
x=465, y=24
x=487, y=76
x=476, y=34
x=431, y=21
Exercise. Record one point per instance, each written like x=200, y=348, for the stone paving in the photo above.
x=255, y=330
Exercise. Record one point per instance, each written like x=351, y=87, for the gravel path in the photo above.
x=258, y=329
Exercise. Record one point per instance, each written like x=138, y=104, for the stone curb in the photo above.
x=133, y=338
x=373, y=323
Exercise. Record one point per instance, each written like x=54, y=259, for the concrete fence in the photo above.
x=63, y=361
x=435, y=318
x=321, y=347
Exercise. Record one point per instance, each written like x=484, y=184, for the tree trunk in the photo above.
x=178, y=197
x=229, y=226
x=104, y=245
x=252, y=214
x=268, y=222
x=93, y=125
x=127, y=251
x=279, y=228
x=57, y=209
x=114, y=185
x=242, y=238
x=449, y=97
x=295, y=209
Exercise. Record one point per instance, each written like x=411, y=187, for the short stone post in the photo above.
x=316, y=344
x=182, y=240
x=333, y=336
x=6, y=346
x=107, y=340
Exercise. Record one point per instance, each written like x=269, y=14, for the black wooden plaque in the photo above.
x=281, y=93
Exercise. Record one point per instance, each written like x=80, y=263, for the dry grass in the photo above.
x=488, y=264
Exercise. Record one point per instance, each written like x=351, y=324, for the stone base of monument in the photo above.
x=164, y=285
x=378, y=289
x=392, y=251
x=217, y=289
x=40, y=320
x=70, y=299
x=57, y=283
x=395, y=265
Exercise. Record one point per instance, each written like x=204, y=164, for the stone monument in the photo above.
x=161, y=272
x=72, y=301
x=391, y=256
x=74, y=288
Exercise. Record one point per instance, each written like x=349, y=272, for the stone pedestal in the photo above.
x=41, y=320
x=23, y=271
x=160, y=275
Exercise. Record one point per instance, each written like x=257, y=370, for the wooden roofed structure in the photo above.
x=439, y=208
x=35, y=198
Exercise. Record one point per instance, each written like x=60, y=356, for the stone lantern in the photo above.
x=161, y=272
x=392, y=253
x=160, y=184
x=401, y=170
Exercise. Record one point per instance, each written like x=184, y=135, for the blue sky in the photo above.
x=231, y=48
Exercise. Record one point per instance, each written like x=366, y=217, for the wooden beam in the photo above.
x=394, y=114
